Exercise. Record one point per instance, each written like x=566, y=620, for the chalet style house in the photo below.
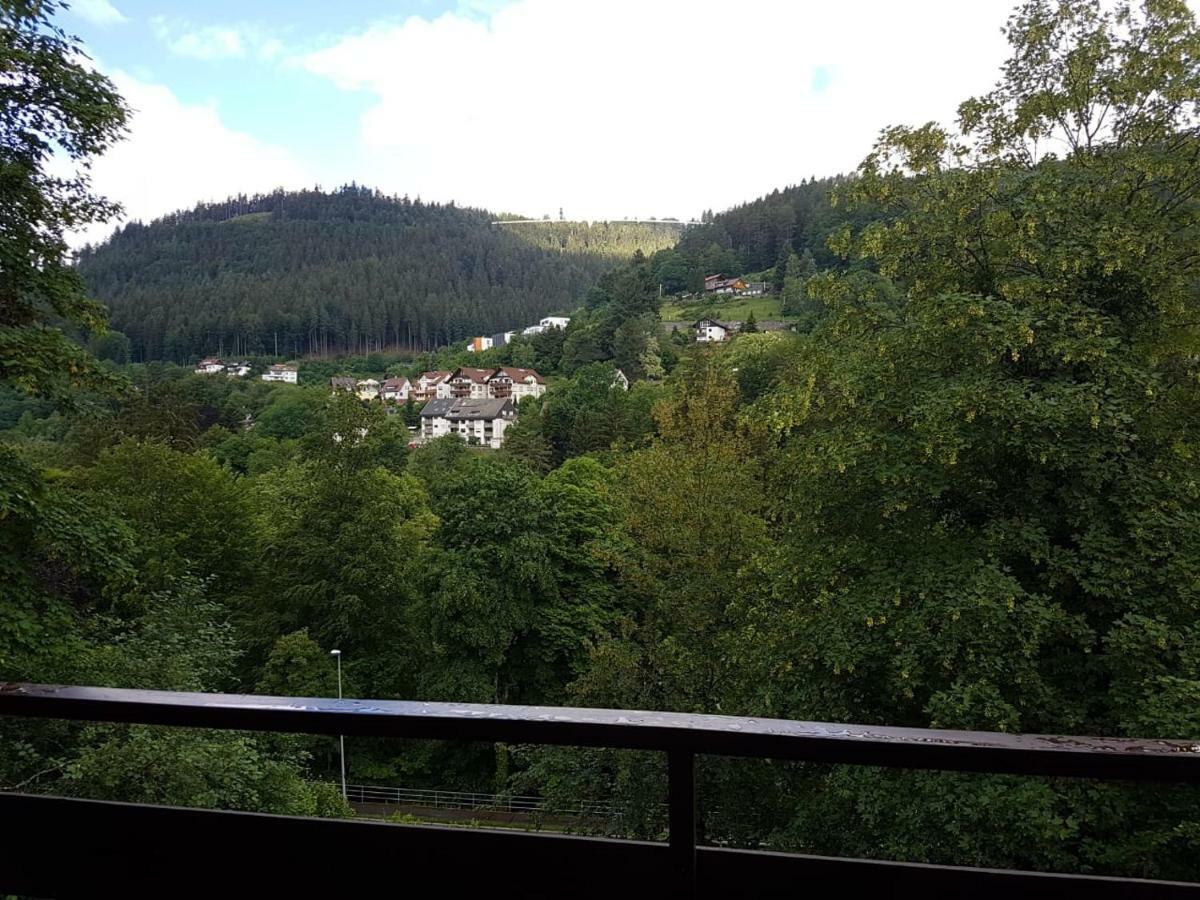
x=395, y=390
x=281, y=372
x=426, y=387
x=468, y=383
x=719, y=284
x=477, y=421
x=366, y=389
x=508, y=381
x=210, y=366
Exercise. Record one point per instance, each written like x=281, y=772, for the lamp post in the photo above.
x=341, y=737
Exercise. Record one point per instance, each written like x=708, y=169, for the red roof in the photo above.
x=479, y=376
x=518, y=374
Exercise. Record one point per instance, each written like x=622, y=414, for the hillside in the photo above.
x=350, y=270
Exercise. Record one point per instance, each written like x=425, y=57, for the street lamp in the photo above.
x=341, y=737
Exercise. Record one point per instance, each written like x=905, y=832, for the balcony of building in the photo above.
x=61, y=847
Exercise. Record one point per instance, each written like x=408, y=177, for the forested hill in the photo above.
x=316, y=272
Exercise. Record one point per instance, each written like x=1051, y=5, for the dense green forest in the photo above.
x=965, y=494
x=350, y=270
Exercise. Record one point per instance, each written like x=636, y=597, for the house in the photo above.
x=343, y=384
x=501, y=338
x=395, y=390
x=469, y=383
x=620, y=380
x=710, y=281
x=533, y=329
x=426, y=387
x=755, y=289
x=508, y=381
x=282, y=372
x=237, y=369
x=480, y=422
x=366, y=389
x=712, y=330
x=479, y=344
x=555, y=322
x=724, y=285
x=210, y=365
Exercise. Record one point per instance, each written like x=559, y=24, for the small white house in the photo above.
x=710, y=330
x=280, y=372
x=238, y=369
x=555, y=322
x=620, y=380
x=395, y=390
x=478, y=422
x=210, y=365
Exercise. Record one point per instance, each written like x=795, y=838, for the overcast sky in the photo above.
x=605, y=108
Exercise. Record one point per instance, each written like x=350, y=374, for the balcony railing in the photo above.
x=58, y=847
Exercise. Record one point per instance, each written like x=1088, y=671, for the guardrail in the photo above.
x=134, y=849
x=472, y=800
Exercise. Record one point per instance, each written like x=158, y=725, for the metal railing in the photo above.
x=134, y=849
x=474, y=800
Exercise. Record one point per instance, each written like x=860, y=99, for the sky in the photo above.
x=602, y=108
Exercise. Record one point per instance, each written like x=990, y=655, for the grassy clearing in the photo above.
x=736, y=308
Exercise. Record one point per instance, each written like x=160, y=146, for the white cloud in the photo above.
x=212, y=42
x=628, y=107
x=98, y=12
x=178, y=154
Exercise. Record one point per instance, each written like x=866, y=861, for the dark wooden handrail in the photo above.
x=681, y=736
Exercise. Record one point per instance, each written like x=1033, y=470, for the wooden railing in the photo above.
x=52, y=846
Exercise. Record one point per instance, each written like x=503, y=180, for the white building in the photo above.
x=210, y=365
x=620, y=380
x=710, y=330
x=555, y=322
x=426, y=386
x=479, y=344
x=478, y=422
x=238, y=369
x=395, y=390
x=367, y=389
x=508, y=381
x=467, y=383
x=280, y=372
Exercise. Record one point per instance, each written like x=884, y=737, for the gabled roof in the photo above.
x=479, y=376
x=366, y=381
x=434, y=377
x=394, y=383
x=210, y=361
x=728, y=326
x=517, y=374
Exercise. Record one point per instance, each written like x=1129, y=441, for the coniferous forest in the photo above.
x=348, y=271
x=962, y=492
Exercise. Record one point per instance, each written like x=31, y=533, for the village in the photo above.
x=480, y=404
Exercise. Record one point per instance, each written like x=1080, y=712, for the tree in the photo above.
x=750, y=326
x=51, y=106
x=976, y=461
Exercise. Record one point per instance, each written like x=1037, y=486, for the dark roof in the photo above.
x=457, y=410
x=728, y=326
x=395, y=382
x=499, y=339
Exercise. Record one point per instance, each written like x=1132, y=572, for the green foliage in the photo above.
x=52, y=106
x=347, y=271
